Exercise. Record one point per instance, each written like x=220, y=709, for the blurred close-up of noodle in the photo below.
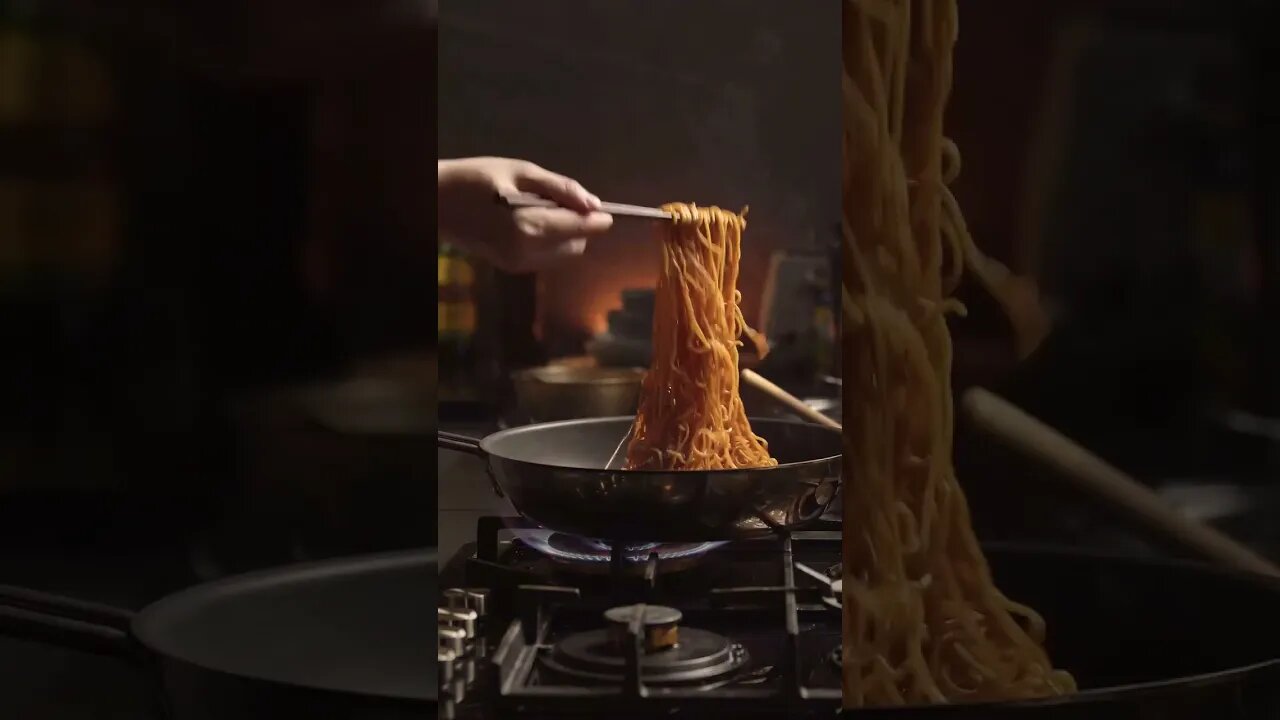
x=923, y=620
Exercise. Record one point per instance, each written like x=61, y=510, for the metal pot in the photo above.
x=567, y=392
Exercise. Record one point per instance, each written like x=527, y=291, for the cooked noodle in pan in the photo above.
x=690, y=416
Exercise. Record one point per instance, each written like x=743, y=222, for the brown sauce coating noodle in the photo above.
x=691, y=416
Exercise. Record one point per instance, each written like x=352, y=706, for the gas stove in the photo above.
x=538, y=624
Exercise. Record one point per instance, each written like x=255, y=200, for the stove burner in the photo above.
x=698, y=658
x=587, y=552
x=742, y=633
x=660, y=625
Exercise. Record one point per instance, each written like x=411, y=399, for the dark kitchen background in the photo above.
x=1119, y=153
x=215, y=248
x=714, y=102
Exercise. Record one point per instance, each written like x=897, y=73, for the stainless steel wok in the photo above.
x=554, y=475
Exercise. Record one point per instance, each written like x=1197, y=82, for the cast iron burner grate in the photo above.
x=758, y=628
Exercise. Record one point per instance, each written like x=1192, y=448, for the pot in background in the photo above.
x=566, y=392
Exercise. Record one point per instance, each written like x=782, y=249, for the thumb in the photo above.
x=565, y=191
x=558, y=224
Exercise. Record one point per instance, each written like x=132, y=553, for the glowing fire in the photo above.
x=578, y=296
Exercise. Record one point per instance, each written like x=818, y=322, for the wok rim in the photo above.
x=149, y=624
x=1109, y=693
x=486, y=444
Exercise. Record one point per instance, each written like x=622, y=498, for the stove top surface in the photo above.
x=664, y=631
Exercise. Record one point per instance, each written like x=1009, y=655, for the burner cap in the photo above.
x=653, y=615
x=700, y=658
x=660, y=625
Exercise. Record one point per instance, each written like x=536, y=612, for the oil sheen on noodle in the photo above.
x=691, y=416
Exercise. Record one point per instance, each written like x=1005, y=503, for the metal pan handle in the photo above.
x=461, y=443
x=68, y=623
x=471, y=446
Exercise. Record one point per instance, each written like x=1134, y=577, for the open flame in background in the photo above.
x=574, y=299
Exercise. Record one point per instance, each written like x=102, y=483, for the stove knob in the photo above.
x=464, y=620
x=453, y=639
x=455, y=598
x=444, y=659
x=476, y=599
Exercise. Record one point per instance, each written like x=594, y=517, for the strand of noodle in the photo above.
x=690, y=414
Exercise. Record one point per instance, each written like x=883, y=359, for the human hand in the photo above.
x=515, y=239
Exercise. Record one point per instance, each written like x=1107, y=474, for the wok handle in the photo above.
x=471, y=446
x=68, y=623
x=461, y=443
x=1088, y=472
